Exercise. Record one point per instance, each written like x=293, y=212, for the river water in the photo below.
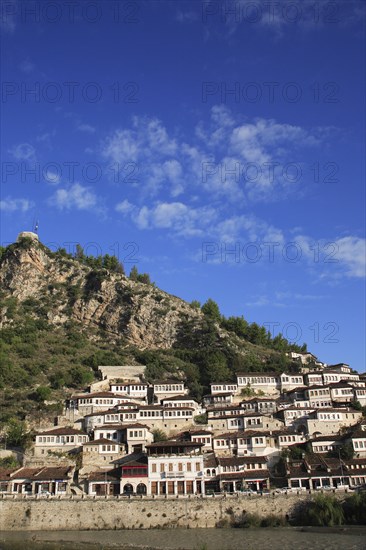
x=292, y=538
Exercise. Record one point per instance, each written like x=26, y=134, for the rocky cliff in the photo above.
x=66, y=290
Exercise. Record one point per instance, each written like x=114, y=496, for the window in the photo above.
x=162, y=467
x=198, y=466
x=153, y=468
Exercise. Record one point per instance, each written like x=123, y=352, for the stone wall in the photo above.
x=123, y=513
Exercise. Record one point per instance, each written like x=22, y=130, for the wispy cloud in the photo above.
x=23, y=151
x=226, y=157
x=88, y=128
x=16, y=205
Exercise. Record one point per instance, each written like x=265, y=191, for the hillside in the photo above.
x=62, y=316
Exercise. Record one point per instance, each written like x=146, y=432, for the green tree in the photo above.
x=324, y=511
x=144, y=278
x=354, y=508
x=80, y=376
x=211, y=310
x=238, y=325
x=247, y=391
x=195, y=304
x=15, y=432
x=214, y=368
x=134, y=274
x=201, y=418
x=159, y=435
x=79, y=253
x=42, y=393
x=8, y=462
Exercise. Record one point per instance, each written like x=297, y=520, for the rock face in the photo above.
x=66, y=290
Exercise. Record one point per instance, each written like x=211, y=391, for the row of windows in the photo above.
x=135, y=433
x=201, y=439
x=329, y=416
x=250, y=466
x=179, y=404
x=323, y=448
x=169, y=387
x=175, y=467
x=360, y=444
x=104, y=448
x=112, y=417
x=319, y=404
x=257, y=380
x=62, y=439
x=99, y=401
x=177, y=413
x=284, y=438
x=130, y=388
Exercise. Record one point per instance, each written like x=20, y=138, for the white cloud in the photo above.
x=177, y=217
x=124, y=207
x=88, y=128
x=334, y=258
x=23, y=151
x=220, y=159
x=76, y=197
x=15, y=205
x=352, y=254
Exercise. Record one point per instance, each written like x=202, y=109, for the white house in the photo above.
x=58, y=440
x=175, y=468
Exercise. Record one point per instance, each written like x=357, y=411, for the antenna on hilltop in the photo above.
x=36, y=225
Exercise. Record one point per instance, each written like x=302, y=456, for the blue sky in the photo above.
x=218, y=146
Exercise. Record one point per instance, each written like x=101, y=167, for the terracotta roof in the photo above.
x=210, y=461
x=330, y=437
x=340, y=384
x=142, y=462
x=110, y=475
x=5, y=473
x=44, y=473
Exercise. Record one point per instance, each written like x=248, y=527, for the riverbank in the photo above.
x=348, y=538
